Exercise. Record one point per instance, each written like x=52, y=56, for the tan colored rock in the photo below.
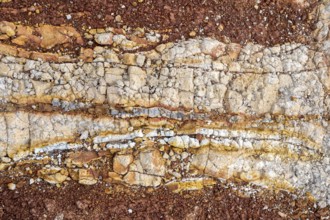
x=4, y=69
x=11, y=186
x=186, y=99
x=147, y=169
x=250, y=176
x=135, y=178
x=7, y=28
x=86, y=54
x=87, y=177
x=185, y=79
x=215, y=163
x=129, y=59
x=4, y=166
x=152, y=162
x=212, y=47
x=259, y=92
x=104, y=38
x=50, y=57
x=18, y=126
x=21, y=40
x=121, y=163
x=114, y=177
x=23, y=53
x=82, y=157
x=8, y=50
x=24, y=30
x=53, y=35
x=112, y=75
x=40, y=88
x=137, y=77
x=53, y=175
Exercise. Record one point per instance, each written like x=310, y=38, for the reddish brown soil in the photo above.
x=73, y=201
x=272, y=22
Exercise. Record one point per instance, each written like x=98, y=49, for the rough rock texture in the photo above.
x=178, y=114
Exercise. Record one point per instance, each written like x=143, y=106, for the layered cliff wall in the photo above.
x=140, y=107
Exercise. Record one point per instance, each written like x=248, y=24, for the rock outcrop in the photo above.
x=177, y=111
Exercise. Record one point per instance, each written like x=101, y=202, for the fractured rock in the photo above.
x=53, y=175
x=104, y=38
x=147, y=169
x=87, y=177
x=121, y=163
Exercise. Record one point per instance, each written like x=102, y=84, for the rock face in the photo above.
x=104, y=38
x=121, y=163
x=193, y=108
x=147, y=169
x=46, y=36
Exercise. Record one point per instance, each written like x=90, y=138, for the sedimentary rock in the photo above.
x=168, y=114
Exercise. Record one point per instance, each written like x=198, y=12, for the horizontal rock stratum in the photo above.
x=137, y=106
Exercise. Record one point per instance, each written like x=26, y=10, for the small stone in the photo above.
x=192, y=34
x=129, y=59
x=50, y=205
x=84, y=135
x=104, y=38
x=6, y=159
x=11, y=186
x=7, y=28
x=82, y=205
x=221, y=27
x=21, y=40
x=140, y=59
x=114, y=177
x=118, y=18
x=53, y=175
x=282, y=215
x=68, y=17
x=86, y=177
x=166, y=156
x=4, y=69
x=184, y=155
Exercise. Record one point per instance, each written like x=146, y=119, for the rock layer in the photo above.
x=191, y=111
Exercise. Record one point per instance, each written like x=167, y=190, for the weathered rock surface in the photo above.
x=195, y=108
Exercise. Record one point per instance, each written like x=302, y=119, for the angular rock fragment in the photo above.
x=87, y=177
x=122, y=162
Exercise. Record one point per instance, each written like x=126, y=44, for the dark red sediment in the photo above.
x=74, y=201
x=240, y=21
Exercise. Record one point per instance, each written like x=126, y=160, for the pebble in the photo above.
x=68, y=17
x=118, y=18
x=192, y=34
x=11, y=186
x=6, y=159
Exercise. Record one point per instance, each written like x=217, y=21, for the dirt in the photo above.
x=240, y=21
x=74, y=201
